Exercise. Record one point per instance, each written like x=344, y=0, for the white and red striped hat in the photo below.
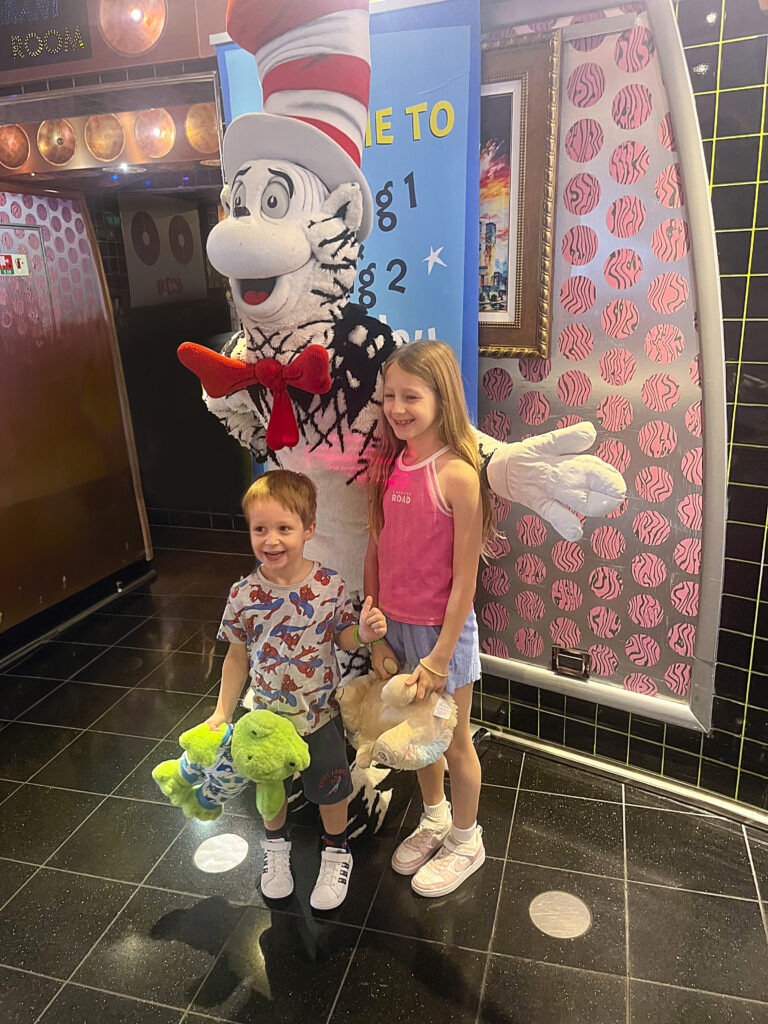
x=313, y=60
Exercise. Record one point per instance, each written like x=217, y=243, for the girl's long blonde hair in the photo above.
x=433, y=363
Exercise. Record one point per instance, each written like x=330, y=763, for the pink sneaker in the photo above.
x=416, y=850
x=449, y=867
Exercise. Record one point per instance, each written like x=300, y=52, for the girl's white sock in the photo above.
x=438, y=812
x=463, y=835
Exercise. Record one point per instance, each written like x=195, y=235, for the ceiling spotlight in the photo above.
x=131, y=26
x=155, y=132
x=711, y=17
x=700, y=69
x=123, y=168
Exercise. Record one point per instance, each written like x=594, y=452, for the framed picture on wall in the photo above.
x=518, y=150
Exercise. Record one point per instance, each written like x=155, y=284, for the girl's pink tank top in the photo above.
x=415, y=545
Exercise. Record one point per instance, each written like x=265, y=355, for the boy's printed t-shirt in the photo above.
x=290, y=635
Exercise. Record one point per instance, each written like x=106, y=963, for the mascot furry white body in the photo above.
x=297, y=209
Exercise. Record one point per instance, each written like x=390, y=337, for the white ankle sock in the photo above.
x=463, y=835
x=438, y=812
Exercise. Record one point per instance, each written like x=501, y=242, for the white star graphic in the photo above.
x=433, y=258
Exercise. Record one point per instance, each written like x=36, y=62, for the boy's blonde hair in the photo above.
x=435, y=365
x=293, y=491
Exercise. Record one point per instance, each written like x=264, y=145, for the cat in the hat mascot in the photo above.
x=298, y=385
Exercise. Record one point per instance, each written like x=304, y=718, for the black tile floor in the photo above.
x=104, y=916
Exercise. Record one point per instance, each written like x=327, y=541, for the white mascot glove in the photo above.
x=547, y=473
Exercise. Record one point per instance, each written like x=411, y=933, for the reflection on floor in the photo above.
x=104, y=916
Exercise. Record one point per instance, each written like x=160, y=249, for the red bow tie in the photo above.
x=221, y=376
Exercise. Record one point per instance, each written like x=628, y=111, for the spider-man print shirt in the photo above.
x=290, y=633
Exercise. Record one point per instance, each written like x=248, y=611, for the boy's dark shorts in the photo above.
x=327, y=780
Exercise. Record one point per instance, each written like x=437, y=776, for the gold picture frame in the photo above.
x=518, y=138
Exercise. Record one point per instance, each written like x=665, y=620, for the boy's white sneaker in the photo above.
x=420, y=845
x=331, y=886
x=276, y=877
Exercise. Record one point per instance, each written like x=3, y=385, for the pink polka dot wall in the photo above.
x=62, y=285
x=624, y=355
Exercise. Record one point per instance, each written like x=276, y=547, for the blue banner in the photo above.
x=418, y=268
x=240, y=87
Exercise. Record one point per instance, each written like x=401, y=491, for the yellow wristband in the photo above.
x=442, y=675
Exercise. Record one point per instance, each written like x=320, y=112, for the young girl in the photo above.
x=429, y=519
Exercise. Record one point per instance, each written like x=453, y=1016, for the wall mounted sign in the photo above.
x=416, y=268
x=35, y=33
x=12, y=265
x=81, y=36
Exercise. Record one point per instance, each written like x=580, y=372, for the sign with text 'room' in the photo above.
x=35, y=33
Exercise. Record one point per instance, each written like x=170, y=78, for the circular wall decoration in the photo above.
x=132, y=26
x=145, y=237
x=155, y=132
x=181, y=240
x=56, y=141
x=104, y=136
x=200, y=128
x=14, y=146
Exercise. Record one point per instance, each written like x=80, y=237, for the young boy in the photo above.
x=283, y=624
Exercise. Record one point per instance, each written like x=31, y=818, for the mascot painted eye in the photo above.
x=239, y=209
x=276, y=200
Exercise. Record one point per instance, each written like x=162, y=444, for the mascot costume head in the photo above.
x=296, y=166
x=298, y=385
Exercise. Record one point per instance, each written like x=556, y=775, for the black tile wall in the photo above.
x=738, y=112
x=725, y=50
x=705, y=107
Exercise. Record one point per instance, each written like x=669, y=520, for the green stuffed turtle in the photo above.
x=219, y=763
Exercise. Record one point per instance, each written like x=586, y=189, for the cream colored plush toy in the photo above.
x=388, y=727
